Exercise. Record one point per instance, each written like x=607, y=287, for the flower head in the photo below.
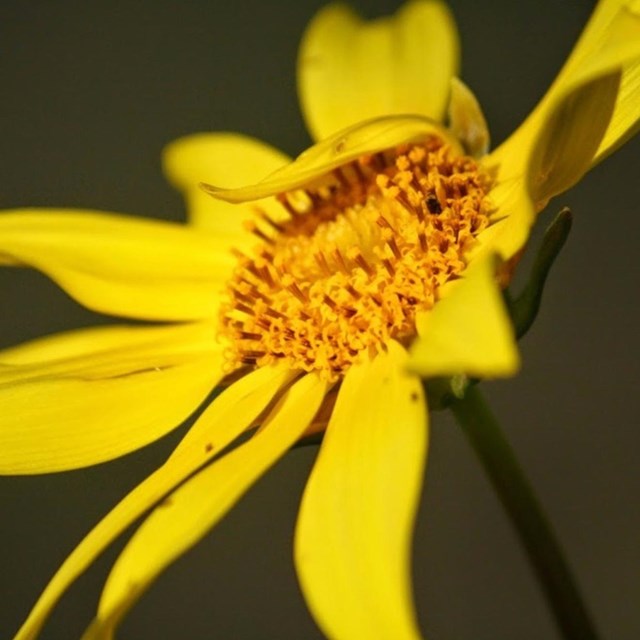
x=318, y=294
x=361, y=255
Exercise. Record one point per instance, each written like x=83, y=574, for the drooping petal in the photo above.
x=350, y=70
x=228, y=159
x=193, y=509
x=468, y=331
x=118, y=265
x=226, y=418
x=87, y=396
x=352, y=547
x=599, y=81
x=361, y=139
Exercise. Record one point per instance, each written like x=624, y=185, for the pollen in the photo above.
x=356, y=255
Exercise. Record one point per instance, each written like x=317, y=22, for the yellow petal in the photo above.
x=350, y=70
x=609, y=45
x=353, y=537
x=580, y=115
x=570, y=137
x=466, y=120
x=625, y=121
x=228, y=159
x=100, y=345
x=619, y=53
x=361, y=139
x=613, y=22
x=468, y=332
x=510, y=222
x=119, y=265
x=193, y=509
x=84, y=397
x=223, y=421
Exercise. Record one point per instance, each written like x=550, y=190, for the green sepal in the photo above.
x=524, y=308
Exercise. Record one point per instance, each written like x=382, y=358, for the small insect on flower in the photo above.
x=433, y=204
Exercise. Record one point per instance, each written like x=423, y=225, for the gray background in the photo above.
x=90, y=94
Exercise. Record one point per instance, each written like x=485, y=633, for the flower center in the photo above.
x=361, y=253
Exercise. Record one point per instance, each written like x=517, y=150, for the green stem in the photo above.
x=519, y=501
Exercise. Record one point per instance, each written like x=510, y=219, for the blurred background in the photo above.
x=92, y=92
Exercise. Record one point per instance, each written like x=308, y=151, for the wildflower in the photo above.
x=375, y=264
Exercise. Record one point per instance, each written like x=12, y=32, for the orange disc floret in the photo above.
x=362, y=251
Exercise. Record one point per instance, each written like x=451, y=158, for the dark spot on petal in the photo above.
x=414, y=396
x=208, y=448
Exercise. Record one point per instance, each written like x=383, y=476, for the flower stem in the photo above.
x=522, y=506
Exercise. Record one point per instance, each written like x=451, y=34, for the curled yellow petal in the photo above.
x=229, y=159
x=599, y=81
x=466, y=119
x=589, y=109
x=193, y=509
x=118, y=265
x=88, y=396
x=350, y=70
x=467, y=332
x=567, y=144
x=223, y=421
x=353, y=537
x=625, y=121
x=359, y=140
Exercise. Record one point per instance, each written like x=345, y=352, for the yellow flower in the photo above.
x=382, y=237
